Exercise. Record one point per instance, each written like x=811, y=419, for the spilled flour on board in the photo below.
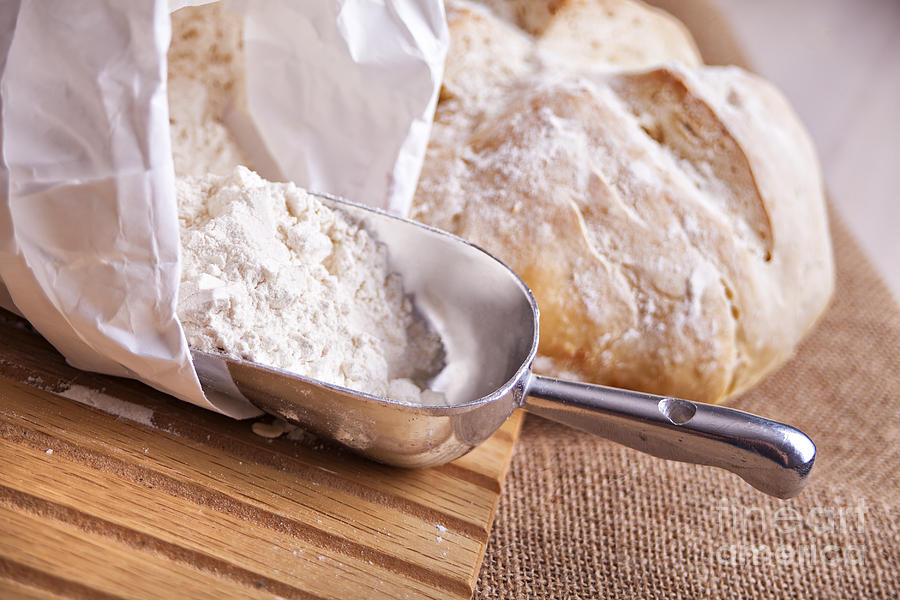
x=108, y=404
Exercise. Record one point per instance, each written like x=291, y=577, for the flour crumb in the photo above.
x=272, y=275
x=268, y=430
x=48, y=451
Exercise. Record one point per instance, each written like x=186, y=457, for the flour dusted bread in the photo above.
x=624, y=33
x=670, y=220
x=205, y=63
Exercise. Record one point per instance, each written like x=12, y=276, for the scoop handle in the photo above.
x=772, y=457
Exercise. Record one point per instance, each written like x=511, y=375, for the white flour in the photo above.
x=272, y=275
x=269, y=273
x=110, y=404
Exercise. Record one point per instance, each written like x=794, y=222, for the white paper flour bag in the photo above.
x=343, y=93
x=89, y=245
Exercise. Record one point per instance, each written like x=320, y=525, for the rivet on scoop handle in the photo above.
x=772, y=457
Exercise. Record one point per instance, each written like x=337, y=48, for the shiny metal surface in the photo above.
x=772, y=457
x=488, y=321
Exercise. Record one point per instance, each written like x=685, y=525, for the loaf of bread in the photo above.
x=627, y=34
x=205, y=78
x=668, y=216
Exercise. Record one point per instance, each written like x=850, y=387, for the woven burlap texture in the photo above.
x=583, y=518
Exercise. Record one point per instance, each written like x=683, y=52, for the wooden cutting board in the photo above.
x=141, y=495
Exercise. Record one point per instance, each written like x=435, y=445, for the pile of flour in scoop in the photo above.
x=272, y=275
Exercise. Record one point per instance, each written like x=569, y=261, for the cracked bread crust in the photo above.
x=670, y=221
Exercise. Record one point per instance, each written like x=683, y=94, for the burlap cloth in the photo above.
x=583, y=518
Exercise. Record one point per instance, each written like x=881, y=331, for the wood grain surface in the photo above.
x=144, y=496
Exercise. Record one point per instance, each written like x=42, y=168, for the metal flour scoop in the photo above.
x=488, y=321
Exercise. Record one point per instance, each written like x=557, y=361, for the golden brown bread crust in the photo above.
x=625, y=33
x=670, y=221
